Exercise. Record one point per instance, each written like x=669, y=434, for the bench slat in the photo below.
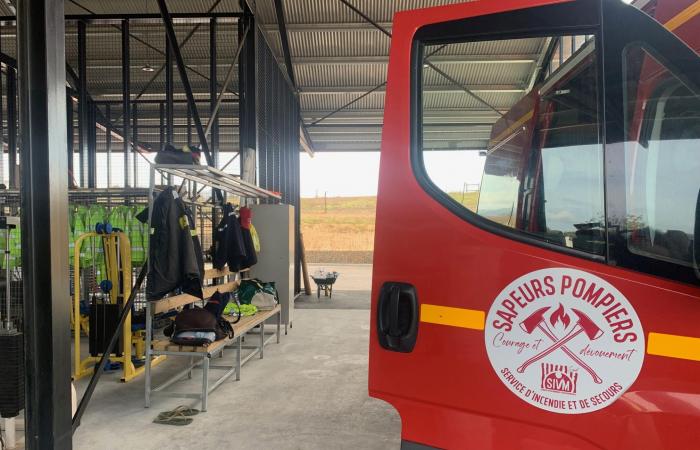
x=246, y=324
x=212, y=273
x=168, y=303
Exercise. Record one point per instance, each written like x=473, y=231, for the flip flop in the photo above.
x=175, y=420
x=180, y=411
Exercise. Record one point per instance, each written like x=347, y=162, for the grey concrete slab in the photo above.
x=309, y=392
x=340, y=300
x=353, y=277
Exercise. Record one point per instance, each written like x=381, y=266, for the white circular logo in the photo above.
x=564, y=340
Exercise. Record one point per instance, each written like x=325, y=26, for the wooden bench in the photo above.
x=200, y=356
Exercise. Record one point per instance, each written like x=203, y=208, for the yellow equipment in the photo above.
x=117, y=255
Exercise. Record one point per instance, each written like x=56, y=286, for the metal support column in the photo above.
x=69, y=137
x=213, y=88
x=134, y=133
x=108, y=143
x=42, y=75
x=86, y=174
x=161, y=126
x=92, y=145
x=248, y=130
x=189, y=125
x=126, y=97
x=169, y=112
x=182, y=69
x=12, y=128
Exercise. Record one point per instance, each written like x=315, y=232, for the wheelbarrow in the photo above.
x=324, y=282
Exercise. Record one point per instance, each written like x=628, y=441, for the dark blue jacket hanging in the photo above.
x=174, y=250
x=229, y=246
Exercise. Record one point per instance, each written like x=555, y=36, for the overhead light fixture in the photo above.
x=148, y=68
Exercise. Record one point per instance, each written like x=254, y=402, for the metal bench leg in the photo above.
x=279, y=325
x=262, y=339
x=147, y=371
x=205, y=382
x=189, y=373
x=238, y=359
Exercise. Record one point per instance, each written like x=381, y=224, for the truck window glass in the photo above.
x=519, y=142
x=662, y=160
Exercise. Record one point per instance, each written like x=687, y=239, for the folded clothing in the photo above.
x=245, y=310
x=196, y=336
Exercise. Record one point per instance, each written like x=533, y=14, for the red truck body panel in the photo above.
x=446, y=389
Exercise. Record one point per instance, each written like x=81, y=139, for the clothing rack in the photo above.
x=212, y=178
x=202, y=176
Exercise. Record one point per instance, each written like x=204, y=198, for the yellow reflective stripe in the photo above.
x=683, y=16
x=193, y=232
x=658, y=344
x=454, y=317
x=673, y=346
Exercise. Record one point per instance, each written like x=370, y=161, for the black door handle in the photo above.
x=397, y=317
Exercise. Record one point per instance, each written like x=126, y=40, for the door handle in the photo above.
x=397, y=317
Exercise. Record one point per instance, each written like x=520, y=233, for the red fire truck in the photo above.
x=561, y=310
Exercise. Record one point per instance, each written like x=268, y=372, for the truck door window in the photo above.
x=523, y=134
x=662, y=159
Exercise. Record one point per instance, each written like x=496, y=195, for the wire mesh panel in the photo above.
x=278, y=120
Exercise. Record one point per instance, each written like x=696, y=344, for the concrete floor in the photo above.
x=309, y=392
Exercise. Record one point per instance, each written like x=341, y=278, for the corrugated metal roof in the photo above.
x=337, y=58
x=330, y=11
x=147, y=7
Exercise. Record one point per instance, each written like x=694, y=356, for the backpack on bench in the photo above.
x=198, y=326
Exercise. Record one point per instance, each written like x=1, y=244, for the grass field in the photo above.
x=341, y=229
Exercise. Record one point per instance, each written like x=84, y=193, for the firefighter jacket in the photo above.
x=174, y=250
x=228, y=242
x=251, y=257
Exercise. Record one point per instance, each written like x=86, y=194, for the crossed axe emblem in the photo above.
x=584, y=324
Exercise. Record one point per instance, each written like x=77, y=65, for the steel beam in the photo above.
x=69, y=136
x=189, y=125
x=426, y=62
x=92, y=145
x=108, y=143
x=83, y=107
x=172, y=42
x=284, y=39
x=110, y=18
x=248, y=140
x=126, y=98
x=12, y=128
x=348, y=104
x=161, y=127
x=134, y=136
x=443, y=59
x=169, y=112
x=213, y=88
x=185, y=40
x=42, y=89
x=229, y=76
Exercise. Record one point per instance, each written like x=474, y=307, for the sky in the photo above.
x=357, y=173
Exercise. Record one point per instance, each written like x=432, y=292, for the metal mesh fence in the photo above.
x=278, y=120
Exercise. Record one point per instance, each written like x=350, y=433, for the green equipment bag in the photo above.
x=249, y=288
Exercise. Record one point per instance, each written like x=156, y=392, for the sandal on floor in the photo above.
x=174, y=420
x=180, y=411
